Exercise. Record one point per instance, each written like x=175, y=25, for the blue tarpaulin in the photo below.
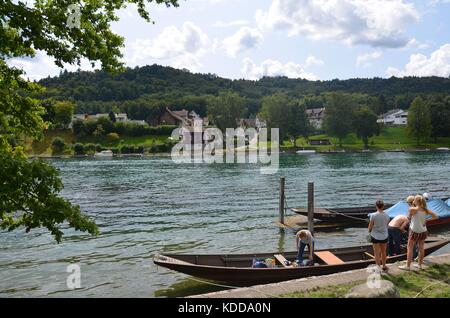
x=448, y=202
x=436, y=205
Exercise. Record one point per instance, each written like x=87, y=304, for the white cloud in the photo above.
x=180, y=47
x=415, y=44
x=436, y=2
x=244, y=39
x=235, y=23
x=41, y=66
x=312, y=60
x=366, y=58
x=378, y=23
x=274, y=68
x=438, y=64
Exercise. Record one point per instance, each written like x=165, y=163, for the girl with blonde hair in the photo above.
x=418, y=230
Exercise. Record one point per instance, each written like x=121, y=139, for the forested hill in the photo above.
x=92, y=90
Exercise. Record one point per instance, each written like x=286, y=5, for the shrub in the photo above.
x=58, y=145
x=91, y=148
x=78, y=127
x=78, y=149
x=113, y=137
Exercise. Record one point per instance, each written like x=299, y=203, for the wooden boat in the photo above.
x=340, y=215
x=351, y=215
x=237, y=269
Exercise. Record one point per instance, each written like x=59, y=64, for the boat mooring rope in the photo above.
x=348, y=216
x=286, y=207
x=230, y=287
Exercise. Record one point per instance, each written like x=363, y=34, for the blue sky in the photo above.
x=314, y=39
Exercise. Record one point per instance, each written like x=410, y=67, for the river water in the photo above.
x=145, y=206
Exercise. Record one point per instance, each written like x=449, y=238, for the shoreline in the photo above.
x=288, y=151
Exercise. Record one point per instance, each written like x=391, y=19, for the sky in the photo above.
x=312, y=39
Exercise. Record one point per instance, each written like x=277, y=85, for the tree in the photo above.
x=226, y=109
x=419, y=120
x=98, y=132
x=298, y=122
x=113, y=137
x=288, y=115
x=78, y=127
x=365, y=124
x=339, y=115
x=63, y=112
x=58, y=146
x=78, y=149
x=440, y=117
x=29, y=190
x=106, y=123
x=112, y=116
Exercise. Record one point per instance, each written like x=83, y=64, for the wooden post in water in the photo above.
x=311, y=207
x=282, y=182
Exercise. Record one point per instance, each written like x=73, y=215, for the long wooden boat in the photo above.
x=237, y=269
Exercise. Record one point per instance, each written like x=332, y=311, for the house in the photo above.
x=316, y=117
x=252, y=123
x=76, y=117
x=121, y=118
x=394, y=117
x=178, y=118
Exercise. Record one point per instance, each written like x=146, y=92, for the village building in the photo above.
x=252, y=123
x=394, y=117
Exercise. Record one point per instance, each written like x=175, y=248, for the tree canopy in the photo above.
x=29, y=189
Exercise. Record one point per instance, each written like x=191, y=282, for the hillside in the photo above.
x=100, y=91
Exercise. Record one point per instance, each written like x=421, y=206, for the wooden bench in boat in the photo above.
x=329, y=258
x=370, y=255
x=281, y=259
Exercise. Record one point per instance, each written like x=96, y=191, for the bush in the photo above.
x=112, y=137
x=91, y=148
x=58, y=146
x=136, y=130
x=78, y=149
x=78, y=127
x=128, y=149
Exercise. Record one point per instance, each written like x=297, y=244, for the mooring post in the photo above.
x=311, y=207
x=282, y=182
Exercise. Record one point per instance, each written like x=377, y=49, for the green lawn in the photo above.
x=430, y=283
x=390, y=138
x=43, y=147
x=145, y=141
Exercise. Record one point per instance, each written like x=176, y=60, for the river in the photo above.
x=148, y=205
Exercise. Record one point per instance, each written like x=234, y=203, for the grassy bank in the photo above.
x=432, y=282
x=44, y=147
x=390, y=138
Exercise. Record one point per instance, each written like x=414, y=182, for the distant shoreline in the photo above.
x=285, y=151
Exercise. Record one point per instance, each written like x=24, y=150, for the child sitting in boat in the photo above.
x=305, y=238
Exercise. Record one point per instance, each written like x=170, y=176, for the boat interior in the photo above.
x=321, y=257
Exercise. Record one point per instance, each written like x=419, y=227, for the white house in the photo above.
x=394, y=117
